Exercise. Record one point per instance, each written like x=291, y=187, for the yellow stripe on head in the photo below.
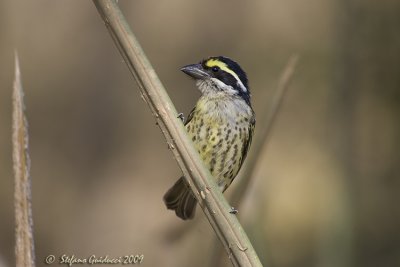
x=222, y=65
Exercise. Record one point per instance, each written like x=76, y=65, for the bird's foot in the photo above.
x=180, y=116
x=233, y=211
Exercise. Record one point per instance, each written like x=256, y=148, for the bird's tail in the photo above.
x=180, y=198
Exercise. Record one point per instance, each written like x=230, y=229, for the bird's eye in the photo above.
x=215, y=69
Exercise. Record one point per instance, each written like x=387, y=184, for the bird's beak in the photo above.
x=195, y=71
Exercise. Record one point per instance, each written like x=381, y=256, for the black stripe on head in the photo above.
x=236, y=68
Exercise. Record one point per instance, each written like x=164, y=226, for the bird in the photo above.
x=221, y=126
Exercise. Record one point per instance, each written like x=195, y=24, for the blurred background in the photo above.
x=326, y=189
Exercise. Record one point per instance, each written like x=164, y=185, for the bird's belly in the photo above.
x=220, y=146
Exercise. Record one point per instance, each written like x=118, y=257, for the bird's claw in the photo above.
x=233, y=211
x=180, y=116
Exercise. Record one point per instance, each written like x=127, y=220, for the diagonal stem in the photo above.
x=211, y=200
x=266, y=119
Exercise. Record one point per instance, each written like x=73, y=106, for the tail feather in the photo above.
x=180, y=198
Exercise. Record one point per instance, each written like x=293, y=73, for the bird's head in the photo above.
x=219, y=76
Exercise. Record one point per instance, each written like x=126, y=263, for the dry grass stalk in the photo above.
x=24, y=245
x=265, y=119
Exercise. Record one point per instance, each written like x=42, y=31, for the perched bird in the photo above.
x=221, y=127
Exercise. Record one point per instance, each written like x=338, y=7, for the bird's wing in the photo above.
x=248, y=140
x=190, y=117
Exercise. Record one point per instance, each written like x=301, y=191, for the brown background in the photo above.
x=326, y=191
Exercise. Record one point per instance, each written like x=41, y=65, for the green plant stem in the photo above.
x=211, y=200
